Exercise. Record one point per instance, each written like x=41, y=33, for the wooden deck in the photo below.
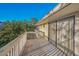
x=39, y=46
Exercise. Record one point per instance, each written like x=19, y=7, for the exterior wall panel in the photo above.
x=53, y=32
x=77, y=34
x=63, y=34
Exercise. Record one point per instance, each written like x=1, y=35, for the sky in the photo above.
x=24, y=11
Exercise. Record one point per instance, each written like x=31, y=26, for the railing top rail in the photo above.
x=30, y=32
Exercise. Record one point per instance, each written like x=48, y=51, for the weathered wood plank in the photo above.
x=40, y=47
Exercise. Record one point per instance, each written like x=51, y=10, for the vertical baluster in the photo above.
x=18, y=49
x=12, y=51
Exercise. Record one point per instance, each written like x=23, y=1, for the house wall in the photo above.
x=77, y=34
x=66, y=33
x=66, y=24
x=43, y=28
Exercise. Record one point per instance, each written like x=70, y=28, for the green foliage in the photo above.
x=30, y=27
x=10, y=31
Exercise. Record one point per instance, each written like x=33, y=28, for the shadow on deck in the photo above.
x=40, y=46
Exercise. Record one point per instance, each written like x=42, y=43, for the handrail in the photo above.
x=15, y=47
x=40, y=32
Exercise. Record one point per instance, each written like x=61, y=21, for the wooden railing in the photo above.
x=40, y=33
x=15, y=47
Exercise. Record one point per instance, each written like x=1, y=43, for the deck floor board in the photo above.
x=40, y=47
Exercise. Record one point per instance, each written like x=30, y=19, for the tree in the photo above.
x=34, y=21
